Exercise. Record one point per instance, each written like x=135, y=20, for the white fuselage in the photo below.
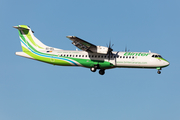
x=118, y=59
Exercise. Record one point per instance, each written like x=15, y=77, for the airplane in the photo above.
x=89, y=55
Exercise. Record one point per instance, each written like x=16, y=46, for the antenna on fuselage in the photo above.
x=126, y=49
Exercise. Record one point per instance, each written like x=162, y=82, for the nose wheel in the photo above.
x=159, y=72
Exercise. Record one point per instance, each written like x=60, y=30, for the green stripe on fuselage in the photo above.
x=46, y=59
x=162, y=59
x=84, y=62
x=26, y=33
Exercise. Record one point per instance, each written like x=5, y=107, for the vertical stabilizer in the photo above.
x=28, y=40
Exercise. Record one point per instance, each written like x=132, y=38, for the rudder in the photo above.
x=28, y=40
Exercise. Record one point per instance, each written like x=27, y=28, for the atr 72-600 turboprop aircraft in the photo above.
x=91, y=56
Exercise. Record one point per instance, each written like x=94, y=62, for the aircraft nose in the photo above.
x=167, y=63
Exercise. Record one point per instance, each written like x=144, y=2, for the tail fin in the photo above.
x=28, y=40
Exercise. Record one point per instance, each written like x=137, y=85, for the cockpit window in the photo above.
x=157, y=56
x=160, y=56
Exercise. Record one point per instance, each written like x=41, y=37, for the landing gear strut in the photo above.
x=159, y=72
x=94, y=68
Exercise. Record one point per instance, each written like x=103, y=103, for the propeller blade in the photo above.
x=109, y=53
x=112, y=45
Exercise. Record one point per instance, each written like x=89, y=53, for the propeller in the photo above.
x=109, y=53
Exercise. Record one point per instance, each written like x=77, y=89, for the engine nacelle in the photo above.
x=101, y=49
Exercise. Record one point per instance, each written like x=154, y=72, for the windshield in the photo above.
x=157, y=56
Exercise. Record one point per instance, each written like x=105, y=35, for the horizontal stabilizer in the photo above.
x=23, y=54
x=20, y=28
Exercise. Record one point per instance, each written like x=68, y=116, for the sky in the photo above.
x=32, y=90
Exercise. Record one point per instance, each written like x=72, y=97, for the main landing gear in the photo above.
x=101, y=71
x=93, y=69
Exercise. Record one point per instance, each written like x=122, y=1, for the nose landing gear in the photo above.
x=159, y=72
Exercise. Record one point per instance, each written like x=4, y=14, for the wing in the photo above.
x=81, y=44
x=86, y=46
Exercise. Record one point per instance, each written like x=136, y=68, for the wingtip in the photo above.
x=15, y=27
x=70, y=36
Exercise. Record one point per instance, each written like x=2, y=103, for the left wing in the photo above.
x=86, y=46
x=81, y=44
